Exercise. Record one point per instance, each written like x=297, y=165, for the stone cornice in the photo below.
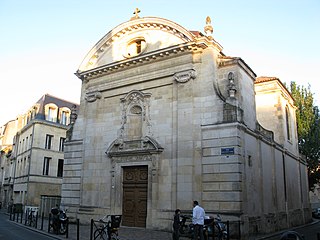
x=228, y=61
x=148, y=57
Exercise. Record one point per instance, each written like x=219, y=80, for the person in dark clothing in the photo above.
x=176, y=225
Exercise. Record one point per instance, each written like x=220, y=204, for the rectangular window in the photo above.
x=51, y=112
x=49, y=139
x=46, y=164
x=30, y=141
x=63, y=118
x=60, y=168
x=61, y=145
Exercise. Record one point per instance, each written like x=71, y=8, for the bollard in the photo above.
x=42, y=216
x=49, y=222
x=67, y=229
x=78, y=228
x=318, y=236
x=21, y=217
x=228, y=236
x=36, y=220
x=29, y=217
x=25, y=218
x=91, y=229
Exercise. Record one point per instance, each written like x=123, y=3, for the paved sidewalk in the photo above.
x=83, y=232
x=128, y=233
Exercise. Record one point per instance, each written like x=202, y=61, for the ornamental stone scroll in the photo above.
x=185, y=76
x=92, y=97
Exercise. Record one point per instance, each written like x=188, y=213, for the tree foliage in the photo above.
x=308, y=128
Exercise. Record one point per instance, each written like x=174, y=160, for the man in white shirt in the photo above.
x=198, y=215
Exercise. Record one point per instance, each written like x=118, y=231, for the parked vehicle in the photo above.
x=316, y=213
x=187, y=228
x=108, y=229
x=291, y=235
x=220, y=228
x=59, y=220
x=31, y=218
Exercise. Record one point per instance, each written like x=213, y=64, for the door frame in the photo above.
x=118, y=163
x=136, y=188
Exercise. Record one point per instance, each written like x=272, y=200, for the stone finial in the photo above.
x=208, y=29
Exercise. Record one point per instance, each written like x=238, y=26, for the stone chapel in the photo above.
x=167, y=118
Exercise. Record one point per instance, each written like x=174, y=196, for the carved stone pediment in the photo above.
x=121, y=147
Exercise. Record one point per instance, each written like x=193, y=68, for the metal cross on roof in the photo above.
x=136, y=11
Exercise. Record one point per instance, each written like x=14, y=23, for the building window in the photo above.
x=288, y=123
x=135, y=47
x=60, y=168
x=30, y=141
x=49, y=139
x=64, y=116
x=61, y=145
x=51, y=112
x=46, y=164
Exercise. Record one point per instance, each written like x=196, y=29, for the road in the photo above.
x=10, y=230
x=309, y=231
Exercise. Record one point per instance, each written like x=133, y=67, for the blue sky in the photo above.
x=43, y=42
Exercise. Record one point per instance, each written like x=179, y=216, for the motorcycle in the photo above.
x=186, y=228
x=220, y=229
x=59, y=220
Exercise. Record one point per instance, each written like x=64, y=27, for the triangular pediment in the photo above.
x=147, y=145
x=134, y=38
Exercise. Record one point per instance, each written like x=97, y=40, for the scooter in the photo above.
x=220, y=228
x=59, y=220
x=187, y=228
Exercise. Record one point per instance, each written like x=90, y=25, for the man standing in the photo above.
x=198, y=215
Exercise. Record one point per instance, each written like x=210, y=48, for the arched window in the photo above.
x=51, y=111
x=288, y=123
x=64, y=116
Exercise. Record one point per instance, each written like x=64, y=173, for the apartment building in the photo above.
x=7, y=133
x=38, y=152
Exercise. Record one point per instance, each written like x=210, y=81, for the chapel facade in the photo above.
x=167, y=118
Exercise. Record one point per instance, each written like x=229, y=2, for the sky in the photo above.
x=43, y=42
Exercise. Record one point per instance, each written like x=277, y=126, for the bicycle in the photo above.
x=108, y=229
x=31, y=218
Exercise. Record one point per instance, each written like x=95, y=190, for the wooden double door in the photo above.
x=135, y=194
